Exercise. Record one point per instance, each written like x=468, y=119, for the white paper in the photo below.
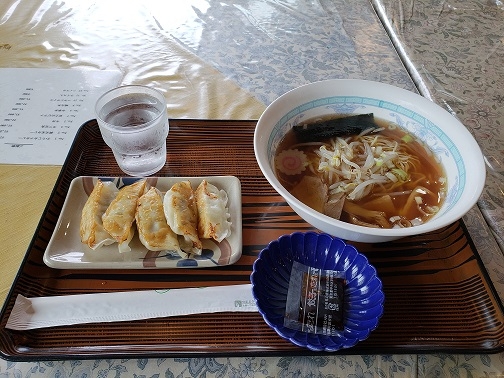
x=42, y=312
x=41, y=111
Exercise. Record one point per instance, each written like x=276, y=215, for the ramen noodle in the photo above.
x=381, y=177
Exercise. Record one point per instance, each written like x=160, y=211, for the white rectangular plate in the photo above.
x=66, y=251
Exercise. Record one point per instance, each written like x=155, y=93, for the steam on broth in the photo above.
x=378, y=176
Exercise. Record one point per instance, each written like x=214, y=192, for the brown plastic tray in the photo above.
x=438, y=295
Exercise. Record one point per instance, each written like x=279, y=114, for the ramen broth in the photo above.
x=413, y=193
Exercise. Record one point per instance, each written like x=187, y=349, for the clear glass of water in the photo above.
x=134, y=123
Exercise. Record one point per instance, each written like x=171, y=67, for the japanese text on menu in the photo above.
x=41, y=111
x=57, y=118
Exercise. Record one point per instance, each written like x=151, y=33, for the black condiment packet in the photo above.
x=315, y=300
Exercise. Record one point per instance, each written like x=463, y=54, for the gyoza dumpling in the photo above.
x=91, y=228
x=120, y=215
x=153, y=231
x=182, y=215
x=213, y=214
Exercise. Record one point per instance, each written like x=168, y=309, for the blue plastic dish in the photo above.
x=363, y=298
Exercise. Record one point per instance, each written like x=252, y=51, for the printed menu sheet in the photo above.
x=41, y=111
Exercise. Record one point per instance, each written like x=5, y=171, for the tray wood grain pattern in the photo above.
x=438, y=296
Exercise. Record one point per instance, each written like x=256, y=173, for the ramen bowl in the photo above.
x=450, y=142
x=363, y=295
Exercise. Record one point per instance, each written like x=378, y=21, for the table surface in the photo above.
x=229, y=60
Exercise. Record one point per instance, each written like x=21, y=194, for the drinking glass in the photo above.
x=134, y=123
